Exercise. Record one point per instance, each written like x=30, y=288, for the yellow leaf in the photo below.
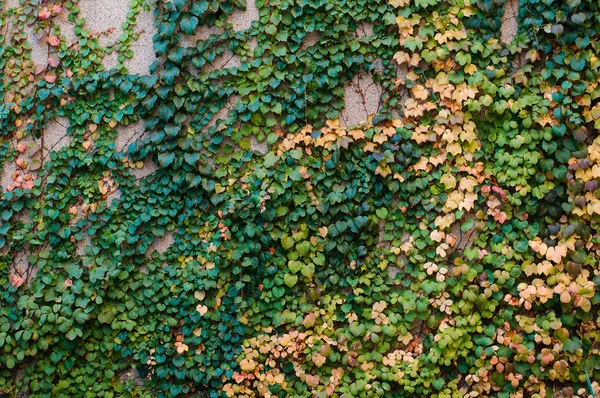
x=556, y=253
x=380, y=138
x=202, y=309
x=470, y=69
x=318, y=360
x=593, y=207
x=369, y=147
x=468, y=136
x=398, y=177
x=468, y=184
x=421, y=164
x=323, y=231
x=383, y=171
x=585, y=304
x=401, y=57
x=420, y=92
x=102, y=187
x=436, y=235
x=454, y=148
x=357, y=134
x=449, y=181
x=247, y=365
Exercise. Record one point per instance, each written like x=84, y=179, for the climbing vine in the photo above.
x=245, y=241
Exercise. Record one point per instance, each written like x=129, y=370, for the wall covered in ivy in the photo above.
x=307, y=198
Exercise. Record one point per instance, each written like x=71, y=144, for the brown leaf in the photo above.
x=312, y=381
x=39, y=68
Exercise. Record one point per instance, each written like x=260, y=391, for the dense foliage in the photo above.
x=447, y=247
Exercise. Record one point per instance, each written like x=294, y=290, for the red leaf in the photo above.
x=16, y=280
x=50, y=78
x=54, y=40
x=44, y=14
x=53, y=61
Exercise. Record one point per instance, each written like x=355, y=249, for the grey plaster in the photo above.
x=464, y=239
x=39, y=47
x=21, y=267
x=113, y=195
x=310, y=40
x=143, y=51
x=201, y=33
x=252, y=43
x=148, y=168
x=128, y=134
x=361, y=99
x=105, y=17
x=161, y=244
x=82, y=244
x=66, y=27
x=110, y=61
x=11, y=4
x=55, y=135
x=260, y=147
x=242, y=20
x=510, y=24
x=8, y=175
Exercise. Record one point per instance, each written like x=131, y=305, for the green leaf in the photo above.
x=467, y=225
x=521, y=246
x=295, y=266
x=382, y=213
x=188, y=24
x=278, y=291
x=290, y=279
x=308, y=271
x=438, y=383
x=572, y=345
x=303, y=248
x=71, y=335
x=165, y=159
x=287, y=242
x=270, y=159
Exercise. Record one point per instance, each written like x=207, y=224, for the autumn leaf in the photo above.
x=54, y=41
x=50, y=78
x=16, y=280
x=318, y=360
x=53, y=61
x=419, y=92
x=399, y=3
x=44, y=14
x=202, y=309
x=312, y=381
